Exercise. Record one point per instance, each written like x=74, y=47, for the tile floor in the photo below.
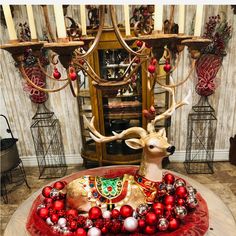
x=222, y=182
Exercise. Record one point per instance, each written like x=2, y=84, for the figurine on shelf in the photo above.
x=144, y=187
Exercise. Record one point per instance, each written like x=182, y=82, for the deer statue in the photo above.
x=144, y=186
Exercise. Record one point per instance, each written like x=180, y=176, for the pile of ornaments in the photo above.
x=166, y=214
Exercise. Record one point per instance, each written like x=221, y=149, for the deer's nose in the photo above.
x=171, y=149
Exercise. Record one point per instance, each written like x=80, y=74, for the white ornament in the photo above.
x=106, y=214
x=48, y=221
x=62, y=222
x=130, y=224
x=94, y=231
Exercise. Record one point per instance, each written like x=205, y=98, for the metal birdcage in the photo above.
x=201, y=138
x=46, y=133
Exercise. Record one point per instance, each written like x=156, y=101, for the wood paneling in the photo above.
x=20, y=110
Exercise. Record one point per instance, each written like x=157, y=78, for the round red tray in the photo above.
x=195, y=224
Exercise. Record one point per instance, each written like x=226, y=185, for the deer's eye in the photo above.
x=151, y=146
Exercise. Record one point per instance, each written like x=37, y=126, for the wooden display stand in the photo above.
x=114, y=110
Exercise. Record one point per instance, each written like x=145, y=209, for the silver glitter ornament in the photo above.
x=142, y=209
x=54, y=194
x=180, y=212
x=179, y=182
x=163, y=224
x=88, y=224
x=169, y=188
x=135, y=215
x=191, y=190
x=56, y=228
x=192, y=201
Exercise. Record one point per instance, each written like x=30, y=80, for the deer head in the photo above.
x=154, y=143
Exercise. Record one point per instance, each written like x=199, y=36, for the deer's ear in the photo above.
x=134, y=143
x=162, y=132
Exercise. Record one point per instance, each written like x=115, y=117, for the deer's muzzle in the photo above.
x=171, y=149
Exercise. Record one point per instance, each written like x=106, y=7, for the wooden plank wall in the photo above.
x=19, y=109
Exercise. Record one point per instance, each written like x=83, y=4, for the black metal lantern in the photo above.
x=201, y=138
x=46, y=133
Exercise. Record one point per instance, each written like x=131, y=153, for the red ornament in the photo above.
x=180, y=201
x=150, y=229
x=173, y=224
x=58, y=205
x=72, y=212
x=99, y=223
x=56, y=74
x=115, y=226
x=181, y=192
x=169, y=200
x=46, y=191
x=104, y=230
x=43, y=213
x=169, y=179
x=95, y=213
x=141, y=224
x=137, y=60
x=158, y=212
x=73, y=225
x=54, y=217
x=151, y=68
x=59, y=185
x=48, y=201
x=50, y=211
x=139, y=43
x=126, y=211
x=158, y=205
x=151, y=218
x=154, y=61
x=73, y=76
x=61, y=213
x=81, y=232
x=81, y=221
x=167, y=67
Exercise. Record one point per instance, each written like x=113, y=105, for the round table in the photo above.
x=221, y=221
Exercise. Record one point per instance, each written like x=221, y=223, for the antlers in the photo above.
x=170, y=111
x=96, y=136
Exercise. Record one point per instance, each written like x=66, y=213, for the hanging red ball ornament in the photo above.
x=126, y=211
x=151, y=68
x=115, y=213
x=81, y=221
x=95, y=213
x=81, y=232
x=169, y=200
x=137, y=60
x=61, y=213
x=59, y=185
x=167, y=67
x=73, y=76
x=72, y=212
x=150, y=229
x=46, y=191
x=151, y=218
x=154, y=61
x=48, y=202
x=115, y=226
x=58, y=205
x=56, y=74
x=169, y=179
x=141, y=223
x=54, y=217
x=139, y=43
x=43, y=213
x=181, y=192
x=173, y=224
